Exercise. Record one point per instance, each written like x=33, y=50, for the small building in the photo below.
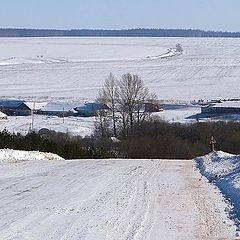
x=12, y=107
x=60, y=109
x=227, y=107
x=89, y=109
x=152, y=107
x=148, y=107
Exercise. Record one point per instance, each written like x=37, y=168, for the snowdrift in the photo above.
x=223, y=170
x=9, y=155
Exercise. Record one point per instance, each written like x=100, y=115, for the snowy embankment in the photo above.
x=9, y=155
x=223, y=170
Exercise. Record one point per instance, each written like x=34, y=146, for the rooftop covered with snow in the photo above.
x=227, y=104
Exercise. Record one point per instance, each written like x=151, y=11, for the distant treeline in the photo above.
x=7, y=32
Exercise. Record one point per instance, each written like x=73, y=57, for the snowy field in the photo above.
x=76, y=126
x=76, y=67
x=109, y=199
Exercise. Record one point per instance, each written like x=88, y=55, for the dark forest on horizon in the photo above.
x=13, y=32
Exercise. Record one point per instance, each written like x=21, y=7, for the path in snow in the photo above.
x=109, y=199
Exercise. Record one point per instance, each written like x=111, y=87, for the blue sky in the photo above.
x=119, y=14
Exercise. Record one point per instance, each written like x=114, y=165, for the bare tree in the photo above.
x=108, y=95
x=126, y=99
x=132, y=95
x=179, y=47
x=101, y=125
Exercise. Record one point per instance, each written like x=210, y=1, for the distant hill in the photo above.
x=7, y=32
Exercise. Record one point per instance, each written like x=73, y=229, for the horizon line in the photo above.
x=120, y=29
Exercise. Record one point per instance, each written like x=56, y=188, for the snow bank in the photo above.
x=9, y=155
x=223, y=170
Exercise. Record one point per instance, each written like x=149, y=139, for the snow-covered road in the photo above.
x=109, y=199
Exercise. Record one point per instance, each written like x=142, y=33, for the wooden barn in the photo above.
x=90, y=109
x=148, y=107
x=13, y=107
x=152, y=107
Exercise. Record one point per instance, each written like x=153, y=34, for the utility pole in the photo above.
x=63, y=115
x=212, y=143
x=33, y=115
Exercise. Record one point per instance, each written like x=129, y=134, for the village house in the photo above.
x=90, y=109
x=12, y=107
x=152, y=107
x=148, y=107
x=60, y=109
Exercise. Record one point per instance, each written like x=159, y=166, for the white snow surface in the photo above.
x=179, y=114
x=76, y=126
x=3, y=116
x=208, y=68
x=9, y=155
x=109, y=199
x=223, y=170
x=35, y=105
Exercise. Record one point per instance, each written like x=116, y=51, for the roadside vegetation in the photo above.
x=153, y=139
x=62, y=144
x=158, y=139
